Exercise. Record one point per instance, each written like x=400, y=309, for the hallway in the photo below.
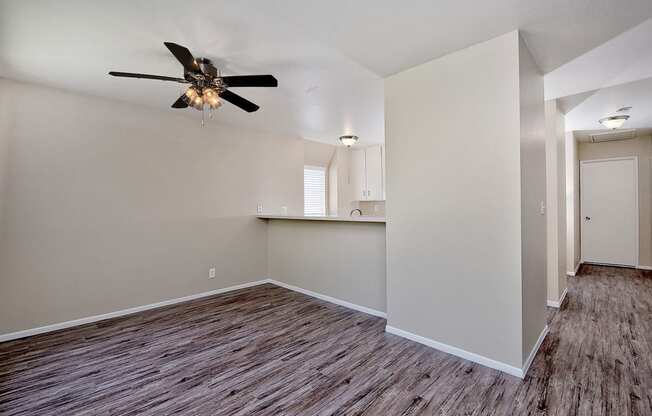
x=598, y=357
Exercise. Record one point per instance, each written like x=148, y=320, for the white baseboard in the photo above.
x=330, y=299
x=641, y=267
x=449, y=349
x=487, y=362
x=577, y=267
x=470, y=356
x=136, y=309
x=123, y=312
x=534, y=351
x=557, y=304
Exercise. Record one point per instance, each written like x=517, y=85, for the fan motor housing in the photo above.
x=207, y=66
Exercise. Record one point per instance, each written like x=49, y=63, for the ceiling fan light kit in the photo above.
x=208, y=88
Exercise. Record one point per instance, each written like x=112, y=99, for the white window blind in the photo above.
x=314, y=190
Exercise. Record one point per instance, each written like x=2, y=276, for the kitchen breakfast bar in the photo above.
x=340, y=258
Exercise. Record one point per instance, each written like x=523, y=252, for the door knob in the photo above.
x=587, y=218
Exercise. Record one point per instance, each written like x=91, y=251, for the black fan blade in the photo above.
x=147, y=76
x=184, y=56
x=180, y=103
x=250, y=81
x=238, y=101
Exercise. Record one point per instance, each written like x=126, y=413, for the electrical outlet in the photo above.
x=259, y=208
x=211, y=273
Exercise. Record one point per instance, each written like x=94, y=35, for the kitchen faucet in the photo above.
x=354, y=210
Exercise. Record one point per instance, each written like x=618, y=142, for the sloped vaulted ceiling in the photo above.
x=329, y=56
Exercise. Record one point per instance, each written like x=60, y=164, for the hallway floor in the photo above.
x=270, y=351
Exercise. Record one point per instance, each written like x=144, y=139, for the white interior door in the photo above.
x=609, y=211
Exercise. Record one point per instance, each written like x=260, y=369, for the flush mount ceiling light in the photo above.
x=614, y=122
x=349, y=140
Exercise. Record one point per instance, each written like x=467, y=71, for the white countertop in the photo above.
x=321, y=218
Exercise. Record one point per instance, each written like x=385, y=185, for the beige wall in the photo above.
x=106, y=206
x=572, y=204
x=321, y=154
x=454, y=234
x=6, y=125
x=343, y=260
x=317, y=154
x=533, y=196
x=556, y=200
x=341, y=196
x=641, y=147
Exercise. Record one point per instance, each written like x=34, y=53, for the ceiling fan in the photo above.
x=207, y=86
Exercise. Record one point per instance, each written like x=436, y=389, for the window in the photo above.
x=314, y=190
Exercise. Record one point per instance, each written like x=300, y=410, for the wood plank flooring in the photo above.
x=270, y=351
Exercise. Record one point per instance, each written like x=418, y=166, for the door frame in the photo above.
x=636, y=197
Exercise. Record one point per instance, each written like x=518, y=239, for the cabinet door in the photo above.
x=358, y=176
x=374, y=164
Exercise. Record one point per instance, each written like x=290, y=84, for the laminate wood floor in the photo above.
x=270, y=351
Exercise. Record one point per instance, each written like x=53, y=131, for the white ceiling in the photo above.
x=329, y=56
x=387, y=36
x=72, y=44
x=625, y=58
x=596, y=84
x=607, y=101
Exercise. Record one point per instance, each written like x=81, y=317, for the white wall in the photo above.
x=556, y=200
x=573, y=245
x=466, y=242
x=341, y=196
x=533, y=196
x=454, y=200
x=317, y=154
x=105, y=205
x=561, y=205
x=641, y=147
x=321, y=154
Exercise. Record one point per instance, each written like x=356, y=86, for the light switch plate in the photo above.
x=259, y=208
x=211, y=273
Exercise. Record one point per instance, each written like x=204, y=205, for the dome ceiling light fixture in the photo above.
x=348, y=140
x=614, y=122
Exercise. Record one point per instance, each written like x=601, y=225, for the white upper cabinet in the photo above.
x=367, y=173
x=358, y=174
x=374, y=171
